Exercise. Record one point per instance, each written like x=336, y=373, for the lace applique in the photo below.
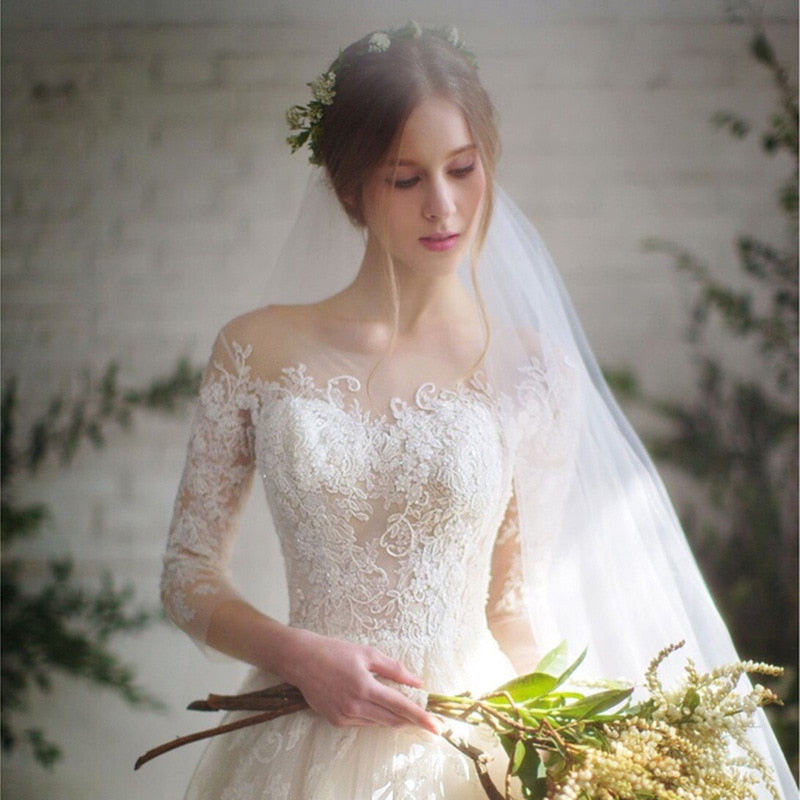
x=216, y=478
x=507, y=592
x=387, y=522
x=395, y=528
x=548, y=398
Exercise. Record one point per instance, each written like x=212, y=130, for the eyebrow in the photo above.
x=405, y=162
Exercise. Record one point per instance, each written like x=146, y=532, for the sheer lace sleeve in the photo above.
x=506, y=609
x=519, y=609
x=216, y=480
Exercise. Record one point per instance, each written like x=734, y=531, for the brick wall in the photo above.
x=146, y=187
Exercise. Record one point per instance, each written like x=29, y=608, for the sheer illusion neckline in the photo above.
x=349, y=393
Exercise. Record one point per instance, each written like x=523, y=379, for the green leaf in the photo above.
x=565, y=675
x=691, y=700
x=17, y=522
x=535, y=685
x=736, y=125
x=553, y=662
x=622, y=382
x=527, y=762
x=537, y=790
x=762, y=49
x=596, y=703
x=44, y=751
x=525, y=688
x=518, y=756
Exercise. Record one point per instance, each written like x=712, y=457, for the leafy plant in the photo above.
x=56, y=625
x=738, y=436
x=563, y=744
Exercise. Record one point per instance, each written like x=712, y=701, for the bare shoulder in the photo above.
x=259, y=325
x=522, y=341
x=273, y=337
x=513, y=346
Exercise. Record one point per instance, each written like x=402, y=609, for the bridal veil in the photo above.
x=606, y=563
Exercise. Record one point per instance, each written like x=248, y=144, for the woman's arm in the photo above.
x=337, y=678
x=506, y=611
x=215, y=483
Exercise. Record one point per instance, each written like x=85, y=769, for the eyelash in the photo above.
x=406, y=183
x=459, y=172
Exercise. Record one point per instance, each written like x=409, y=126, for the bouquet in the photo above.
x=688, y=742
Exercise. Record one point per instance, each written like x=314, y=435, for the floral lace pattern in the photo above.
x=388, y=524
x=392, y=520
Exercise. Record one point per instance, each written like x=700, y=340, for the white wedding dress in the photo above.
x=397, y=529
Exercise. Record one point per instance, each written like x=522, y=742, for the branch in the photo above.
x=481, y=761
x=207, y=734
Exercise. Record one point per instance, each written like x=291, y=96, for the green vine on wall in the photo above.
x=56, y=624
x=737, y=437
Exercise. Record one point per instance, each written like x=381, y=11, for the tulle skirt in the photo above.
x=302, y=757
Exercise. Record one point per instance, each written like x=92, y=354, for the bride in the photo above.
x=453, y=487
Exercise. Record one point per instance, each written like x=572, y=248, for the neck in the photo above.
x=421, y=297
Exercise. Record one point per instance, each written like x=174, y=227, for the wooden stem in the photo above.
x=480, y=760
x=263, y=700
x=255, y=719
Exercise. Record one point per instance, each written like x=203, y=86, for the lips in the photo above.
x=439, y=242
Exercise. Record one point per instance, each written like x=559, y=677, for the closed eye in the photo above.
x=462, y=172
x=406, y=183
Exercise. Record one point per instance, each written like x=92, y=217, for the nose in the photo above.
x=439, y=202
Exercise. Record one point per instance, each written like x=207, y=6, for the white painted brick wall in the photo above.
x=141, y=210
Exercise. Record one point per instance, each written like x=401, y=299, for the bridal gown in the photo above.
x=397, y=530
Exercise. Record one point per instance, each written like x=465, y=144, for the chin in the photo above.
x=443, y=265
x=449, y=261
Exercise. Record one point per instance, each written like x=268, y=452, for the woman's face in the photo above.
x=424, y=203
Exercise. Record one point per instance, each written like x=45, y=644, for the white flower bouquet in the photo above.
x=688, y=742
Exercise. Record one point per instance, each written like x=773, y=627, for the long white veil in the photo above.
x=606, y=563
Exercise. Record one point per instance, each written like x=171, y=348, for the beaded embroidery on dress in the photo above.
x=390, y=526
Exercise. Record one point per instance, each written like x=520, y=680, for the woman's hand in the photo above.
x=339, y=680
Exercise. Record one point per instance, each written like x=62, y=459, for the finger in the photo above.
x=369, y=714
x=390, y=668
x=401, y=707
x=354, y=722
x=386, y=707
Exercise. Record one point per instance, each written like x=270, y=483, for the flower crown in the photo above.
x=306, y=120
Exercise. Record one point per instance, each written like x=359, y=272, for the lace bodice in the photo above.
x=388, y=523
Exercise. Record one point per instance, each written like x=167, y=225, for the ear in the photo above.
x=353, y=208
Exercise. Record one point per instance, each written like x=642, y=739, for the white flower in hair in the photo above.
x=322, y=88
x=296, y=117
x=305, y=122
x=378, y=43
x=452, y=35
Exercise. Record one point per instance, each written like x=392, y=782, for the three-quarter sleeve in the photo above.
x=506, y=608
x=216, y=480
x=545, y=433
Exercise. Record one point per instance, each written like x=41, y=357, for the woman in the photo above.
x=452, y=485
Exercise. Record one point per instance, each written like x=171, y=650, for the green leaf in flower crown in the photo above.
x=597, y=703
